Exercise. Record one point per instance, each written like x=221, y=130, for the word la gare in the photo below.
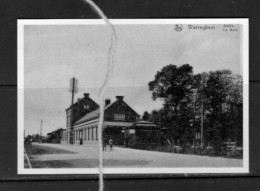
x=230, y=28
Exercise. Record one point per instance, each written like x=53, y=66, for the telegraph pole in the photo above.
x=73, y=90
x=202, y=115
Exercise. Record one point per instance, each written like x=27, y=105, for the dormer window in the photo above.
x=86, y=106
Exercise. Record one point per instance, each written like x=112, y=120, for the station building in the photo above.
x=118, y=116
x=55, y=136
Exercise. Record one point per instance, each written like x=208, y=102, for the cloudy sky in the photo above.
x=54, y=54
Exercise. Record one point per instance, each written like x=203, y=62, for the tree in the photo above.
x=174, y=84
x=146, y=116
x=234, y=111
x=212, y=99
x=224, y=111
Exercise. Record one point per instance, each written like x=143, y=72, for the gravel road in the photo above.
x=86, y=155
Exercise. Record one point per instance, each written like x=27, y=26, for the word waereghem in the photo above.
x=201, y=27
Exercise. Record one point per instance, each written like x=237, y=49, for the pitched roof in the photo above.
x=85, y=98
x=94, y=114
x=55, y=131
x=91, y=115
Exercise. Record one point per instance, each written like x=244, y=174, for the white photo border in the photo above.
x=190, y=170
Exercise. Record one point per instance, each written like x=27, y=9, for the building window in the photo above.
x=88, y=134
x=119, y=117
x=86, y=106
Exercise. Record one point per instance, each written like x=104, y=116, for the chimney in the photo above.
x=119, y=98
x=107, y=102
x=86, y=95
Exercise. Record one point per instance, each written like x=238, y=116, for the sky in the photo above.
x=54, y=54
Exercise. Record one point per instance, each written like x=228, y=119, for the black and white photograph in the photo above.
x=176, y=100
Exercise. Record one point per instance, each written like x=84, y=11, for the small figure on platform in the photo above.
x=111, y=144
x=81, y=141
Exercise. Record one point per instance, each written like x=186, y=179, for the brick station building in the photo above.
x=117, y=117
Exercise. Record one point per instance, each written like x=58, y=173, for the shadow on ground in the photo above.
x=85, y=163
x=42, y=150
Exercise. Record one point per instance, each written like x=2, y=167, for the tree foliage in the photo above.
x=172, y=84
x=216, y=95
x=146, y=116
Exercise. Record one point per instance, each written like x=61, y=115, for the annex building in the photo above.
x=117, y=117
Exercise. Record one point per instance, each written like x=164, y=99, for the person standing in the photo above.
x=81, y=141
x=111, y=144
